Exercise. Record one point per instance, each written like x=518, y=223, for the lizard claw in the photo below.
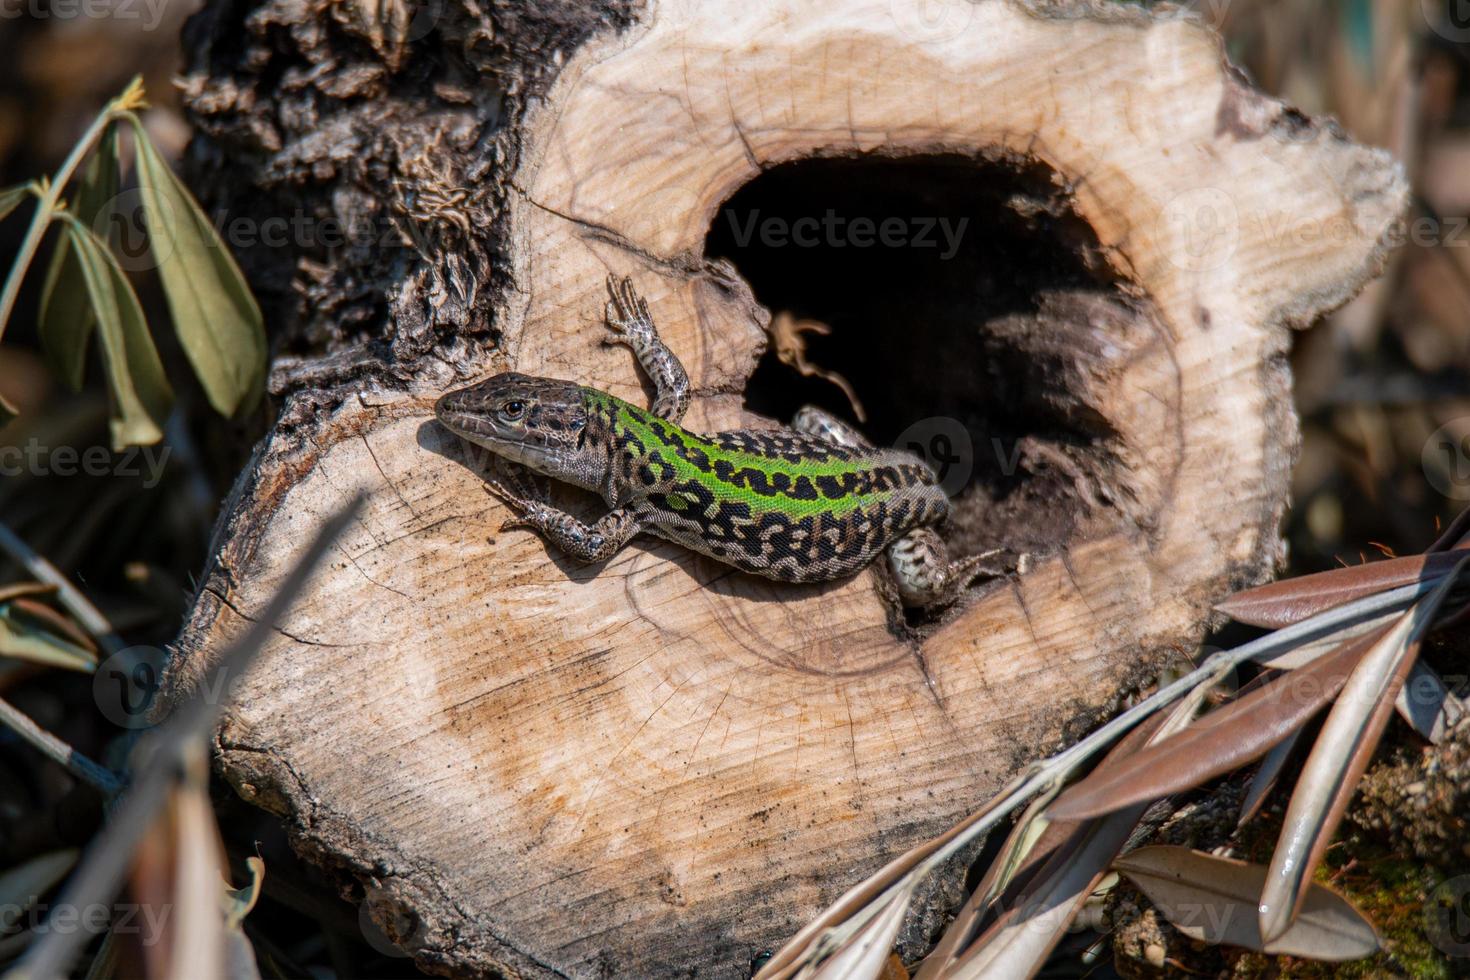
x=513, y=488
x=626, y=312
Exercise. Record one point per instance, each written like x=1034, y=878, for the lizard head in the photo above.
x=537, y=422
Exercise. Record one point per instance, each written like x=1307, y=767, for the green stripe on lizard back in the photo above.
x=775, y=502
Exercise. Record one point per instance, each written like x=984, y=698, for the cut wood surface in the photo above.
x=658, y=765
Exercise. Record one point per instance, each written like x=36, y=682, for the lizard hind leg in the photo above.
x=924, y=574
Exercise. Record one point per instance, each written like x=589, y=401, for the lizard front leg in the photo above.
x=632, y=326
x=588, y=543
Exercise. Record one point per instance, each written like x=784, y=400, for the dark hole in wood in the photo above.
x=970, y=241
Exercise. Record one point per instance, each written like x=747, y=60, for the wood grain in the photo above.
x=660, y=765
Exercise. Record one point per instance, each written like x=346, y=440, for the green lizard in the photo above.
x=809, y=505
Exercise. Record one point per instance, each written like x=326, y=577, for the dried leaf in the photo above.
x=1427, y=704
x=1299, y=657
x=1030, y=852
x=21, y=639
x=1265, y=778
x=1019, y=942
x=66, y=313
x=141, y=395
x=1213, y=899
x=158, y=756
x=53, y=621
x=1288, y=601
x=865, y=955
x=1293, y=600
x=1225, y=739
x=240, y=901
x=788, y=958
x=1023, y=841
x=1339, y=757
x=217, y=320
x=198, y=948
x=18, y=590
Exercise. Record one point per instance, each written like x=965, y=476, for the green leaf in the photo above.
x=66, y=313
x=217, y=320
x=11, y=197
x=23, y=640
x=141, y=395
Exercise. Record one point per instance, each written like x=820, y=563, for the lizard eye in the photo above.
x=513, y=410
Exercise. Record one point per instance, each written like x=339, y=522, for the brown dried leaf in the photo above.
x=865, y=955
x=1018, y=944
x=1265, y=778
x=1340, y=755
x=1290, y=601
x=1213, y=899
x=1222, y=740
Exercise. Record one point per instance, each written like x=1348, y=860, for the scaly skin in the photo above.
x=797, y=506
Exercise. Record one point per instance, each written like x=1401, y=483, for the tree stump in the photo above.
x=660, y=766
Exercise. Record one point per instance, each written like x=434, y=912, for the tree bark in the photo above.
x=658, y=766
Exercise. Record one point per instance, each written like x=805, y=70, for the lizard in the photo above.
x=812, y=503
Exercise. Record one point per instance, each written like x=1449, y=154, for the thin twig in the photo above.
x=94, y=773
x=67, y=594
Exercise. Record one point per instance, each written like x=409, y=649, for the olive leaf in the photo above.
x=217, y=320
x=24, y=640
x=1213, y=899
x=141, y=394
x=66, y=314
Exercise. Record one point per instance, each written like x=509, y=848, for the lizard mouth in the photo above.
x=475, y=426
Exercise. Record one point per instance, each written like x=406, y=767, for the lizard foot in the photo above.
x=514, y=487
x=627, y=314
